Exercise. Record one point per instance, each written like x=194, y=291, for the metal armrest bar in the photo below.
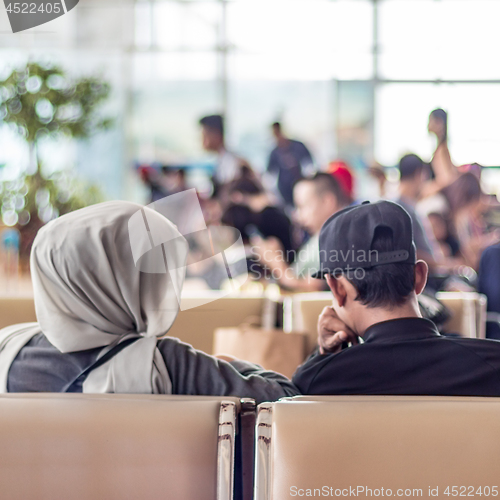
x=262, y=485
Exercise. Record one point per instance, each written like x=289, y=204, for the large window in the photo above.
x=351, y=78
x=439, y=39
x=473, y=130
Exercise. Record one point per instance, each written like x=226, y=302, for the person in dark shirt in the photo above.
x=489, y=284
x=251, y=212
x=289, y=160
x=368, y=260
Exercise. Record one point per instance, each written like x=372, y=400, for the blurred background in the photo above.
x=354, y=79
x=100, y=103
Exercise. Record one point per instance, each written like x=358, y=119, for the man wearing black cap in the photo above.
x=368, y=259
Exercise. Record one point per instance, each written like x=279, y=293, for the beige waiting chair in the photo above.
x=301, y=312
x=195, y=324
x=198, y=321
x=468, y=311
x=15, y=310
x=88, y=447
x=397, y=443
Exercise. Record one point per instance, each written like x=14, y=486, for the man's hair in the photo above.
x=327, y=184
x=409, y=166
x=213, y=122
x=246, y=183
x=388, y=285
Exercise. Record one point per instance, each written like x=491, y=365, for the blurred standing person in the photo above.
x=443, y=171
x=228, y=164
x=289, y=161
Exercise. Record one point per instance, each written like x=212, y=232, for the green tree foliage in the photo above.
x=44, y=100
x=38, y=101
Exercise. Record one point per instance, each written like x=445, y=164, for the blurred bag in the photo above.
x=272, y=349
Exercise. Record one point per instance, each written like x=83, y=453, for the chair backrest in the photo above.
x=365, y=443
x=197, y=322
x=305, y=310
x=15, y=310
x=86, y=447
x=468, y=313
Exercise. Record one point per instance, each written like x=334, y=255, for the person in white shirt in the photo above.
x=228, y=164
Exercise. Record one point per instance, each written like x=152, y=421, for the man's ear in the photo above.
x=421, y=272
x=338, y=289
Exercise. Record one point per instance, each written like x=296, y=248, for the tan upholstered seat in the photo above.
x=305, y=310
x=468, y=311
x=15, y=310
x=197, y=324
x=194, y=325
x=390, y=442
x=92, y=447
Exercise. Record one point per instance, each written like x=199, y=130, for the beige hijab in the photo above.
x=104, y=274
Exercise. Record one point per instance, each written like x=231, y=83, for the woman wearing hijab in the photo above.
x=100, y=315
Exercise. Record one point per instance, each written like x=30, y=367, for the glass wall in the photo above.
x=354, y=79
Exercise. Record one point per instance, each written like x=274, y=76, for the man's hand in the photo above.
x=332, y=332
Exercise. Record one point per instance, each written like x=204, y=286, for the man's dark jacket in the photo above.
x=406, y=357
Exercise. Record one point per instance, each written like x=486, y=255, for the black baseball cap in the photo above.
x=345, y=240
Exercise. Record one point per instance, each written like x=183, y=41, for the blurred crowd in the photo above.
x=280, y=212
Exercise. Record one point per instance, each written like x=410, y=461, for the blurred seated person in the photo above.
x=175, y=179
x=316, y=199
x=489, y=284
x=448, y=243
x=203, y=272
x=227, y=164
x=253, y=213
x=377, y=179
x=290, y=160
x=163, y=182
x=375, y=299
x=104, y=313
x=344, y=176
x=467, y=205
